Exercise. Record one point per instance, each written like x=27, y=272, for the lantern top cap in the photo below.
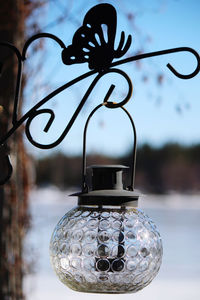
x=114, y=167
x=107, y=188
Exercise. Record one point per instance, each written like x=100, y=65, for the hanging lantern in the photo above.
x=106, y=244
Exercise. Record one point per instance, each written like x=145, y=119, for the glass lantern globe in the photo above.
x=109, y=246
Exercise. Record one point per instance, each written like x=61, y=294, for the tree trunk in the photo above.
x=13, y=195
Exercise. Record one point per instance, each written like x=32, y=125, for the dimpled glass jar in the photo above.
x=106, y=250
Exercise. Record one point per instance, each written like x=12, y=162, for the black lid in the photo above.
x=107, y=187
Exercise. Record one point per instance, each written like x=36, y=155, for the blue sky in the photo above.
x=163, y=112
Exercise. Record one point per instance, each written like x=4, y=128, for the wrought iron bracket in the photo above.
x=93, y=43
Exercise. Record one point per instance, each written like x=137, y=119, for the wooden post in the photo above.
x=13, y=195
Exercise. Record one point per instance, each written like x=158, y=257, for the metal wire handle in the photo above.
x=108, y=104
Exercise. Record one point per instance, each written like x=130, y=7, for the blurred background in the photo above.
x=165, y=110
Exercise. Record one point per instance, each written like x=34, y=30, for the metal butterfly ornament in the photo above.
x=94, y=41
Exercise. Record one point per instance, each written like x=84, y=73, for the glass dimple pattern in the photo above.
x=107, y=250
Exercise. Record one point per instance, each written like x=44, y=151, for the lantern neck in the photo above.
x=108, y=177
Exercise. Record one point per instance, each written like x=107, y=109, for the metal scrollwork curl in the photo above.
x=48, y=125
x=35, y=113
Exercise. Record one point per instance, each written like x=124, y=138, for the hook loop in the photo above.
x=130, y=89
x=163, y=52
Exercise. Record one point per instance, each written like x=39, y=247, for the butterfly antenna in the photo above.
x=119, y=52
x=121, y=43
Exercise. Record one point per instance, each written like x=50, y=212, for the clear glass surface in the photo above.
x=107, y=250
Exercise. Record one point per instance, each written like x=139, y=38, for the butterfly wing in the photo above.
x=102, y=14
x=92, y=35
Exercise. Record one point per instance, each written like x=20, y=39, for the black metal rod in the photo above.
x=84, y=169
x=84, y=185
x=132, y=185
x=163, y=52
x=18, y=81
x=38, y=36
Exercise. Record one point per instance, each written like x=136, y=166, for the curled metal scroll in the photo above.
x=35, y=113
x=89, y=45
x=108, y=104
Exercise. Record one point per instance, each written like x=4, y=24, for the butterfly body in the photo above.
x=94, y=41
